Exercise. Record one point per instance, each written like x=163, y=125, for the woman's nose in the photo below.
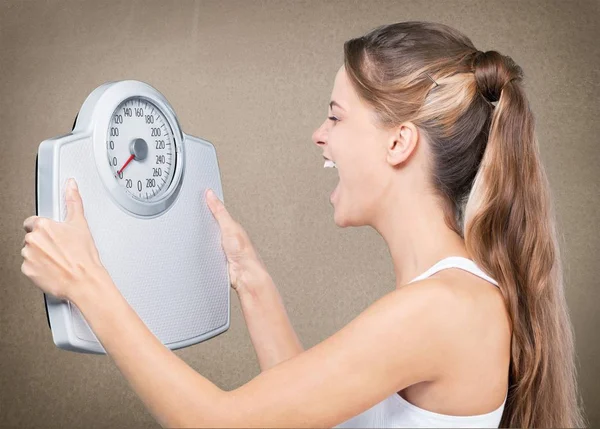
x=318, y=136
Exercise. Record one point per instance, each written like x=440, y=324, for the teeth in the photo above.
x=329, y=163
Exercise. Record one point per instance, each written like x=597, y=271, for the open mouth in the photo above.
x=331, y=164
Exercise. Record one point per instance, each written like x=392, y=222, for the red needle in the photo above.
x=127, y=162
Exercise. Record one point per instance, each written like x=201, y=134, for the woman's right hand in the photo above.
x=244, y=262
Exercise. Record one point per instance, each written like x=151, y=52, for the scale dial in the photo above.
x=138, y=145
x=141, y=149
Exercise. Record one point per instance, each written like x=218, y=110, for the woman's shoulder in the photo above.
x=461, y=291
x=476, y=338
x=415, y=326
x=437, y=303
x=475, y=313
x=434, y=290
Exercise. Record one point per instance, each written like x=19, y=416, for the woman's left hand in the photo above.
x=61, y=258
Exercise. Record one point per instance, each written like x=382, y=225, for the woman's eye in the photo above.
x=333, y=118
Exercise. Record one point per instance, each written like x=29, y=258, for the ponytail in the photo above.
x=510, y=229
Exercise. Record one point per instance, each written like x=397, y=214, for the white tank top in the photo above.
x=395, y=411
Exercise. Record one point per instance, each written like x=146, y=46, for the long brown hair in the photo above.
x=488, y=176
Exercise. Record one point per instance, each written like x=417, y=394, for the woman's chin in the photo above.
x=334, y=194
x=338, y=213
x=345, y=215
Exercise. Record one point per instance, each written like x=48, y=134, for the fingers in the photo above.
x=40, y=244
x=37, y=223
x=73, y=200
x=74, y=209
x=31, y=222
x=39, y=231
x=236, y=242
x=218, y=208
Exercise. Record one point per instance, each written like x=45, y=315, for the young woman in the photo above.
x=435, y=148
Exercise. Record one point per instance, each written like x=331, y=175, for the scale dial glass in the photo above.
x=141, y=149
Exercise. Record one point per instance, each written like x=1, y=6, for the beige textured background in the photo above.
x=254, y=78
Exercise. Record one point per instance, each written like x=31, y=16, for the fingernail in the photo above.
x=72, y=184
x=210, y=194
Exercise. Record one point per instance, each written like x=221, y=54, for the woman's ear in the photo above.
x=402, y=143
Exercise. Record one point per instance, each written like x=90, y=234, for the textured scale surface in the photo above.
x=171, y=269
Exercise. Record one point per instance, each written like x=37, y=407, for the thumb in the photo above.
x=74, y=202
x=218, y=209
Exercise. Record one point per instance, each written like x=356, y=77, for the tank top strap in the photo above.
x=456, y=262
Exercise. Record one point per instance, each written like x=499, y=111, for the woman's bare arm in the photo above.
x=271, y=331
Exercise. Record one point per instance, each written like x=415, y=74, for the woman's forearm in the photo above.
x=172, y=391
x=271, y=331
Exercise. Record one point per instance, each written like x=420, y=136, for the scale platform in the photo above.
x=142, y=181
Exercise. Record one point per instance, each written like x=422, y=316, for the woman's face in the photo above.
x=351, y=139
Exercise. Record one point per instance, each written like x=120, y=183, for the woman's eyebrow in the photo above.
x=332, y=103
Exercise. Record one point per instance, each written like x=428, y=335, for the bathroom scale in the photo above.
x=142, y=181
